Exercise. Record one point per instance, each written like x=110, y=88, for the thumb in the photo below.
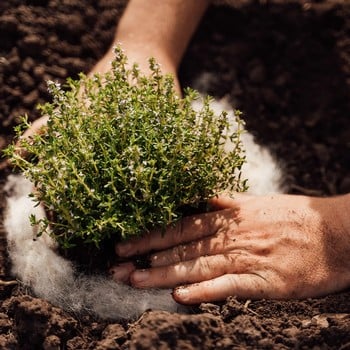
x=37, y=127
x=227, y=201
x=243, y=286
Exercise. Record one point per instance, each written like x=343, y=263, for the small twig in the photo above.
x=8, y=283
x=248, y=309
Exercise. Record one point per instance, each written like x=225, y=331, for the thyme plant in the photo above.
x=123, y=153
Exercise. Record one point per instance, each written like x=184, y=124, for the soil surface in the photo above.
x=285, y=64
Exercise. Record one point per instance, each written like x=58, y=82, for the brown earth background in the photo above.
x=285, y=64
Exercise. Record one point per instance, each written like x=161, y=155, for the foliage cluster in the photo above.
x=123, y=153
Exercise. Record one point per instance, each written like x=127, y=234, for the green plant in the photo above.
x=123, y=154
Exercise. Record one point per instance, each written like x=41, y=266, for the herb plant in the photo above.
x=123, y=153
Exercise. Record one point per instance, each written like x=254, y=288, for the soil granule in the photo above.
x=285, y=64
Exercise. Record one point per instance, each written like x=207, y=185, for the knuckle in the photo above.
x=169, y=257
x=206, y=269
x=233, y=258
x=177, y=233
x=238, y=262
x=231, y=282
x=179, y=253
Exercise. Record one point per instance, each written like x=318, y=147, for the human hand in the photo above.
x=278, y=246
x=37, y=127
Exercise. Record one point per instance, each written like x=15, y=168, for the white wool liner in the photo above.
x=261, y=169
x=36, y=263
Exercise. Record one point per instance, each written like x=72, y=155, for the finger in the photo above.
x=37, y=127
x=221, y=242
x=122, y=272
x=188, y=229
x=198, y=270
x=247, y=286
x=226, y=201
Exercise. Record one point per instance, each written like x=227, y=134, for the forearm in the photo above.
x=336, y=235
x=160, y=27
x=157, y=28
x=339, y=210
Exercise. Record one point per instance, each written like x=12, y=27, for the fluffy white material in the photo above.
x=261, y=169
x=37, y=264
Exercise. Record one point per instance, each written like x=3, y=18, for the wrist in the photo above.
x=140, y=55
x=338, y=236
x=161, y=30
x=343, y=213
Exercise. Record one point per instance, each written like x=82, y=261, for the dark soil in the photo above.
x=286, y=65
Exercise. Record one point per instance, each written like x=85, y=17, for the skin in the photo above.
x=277, y=246
x=141, y=39
x=175, y=20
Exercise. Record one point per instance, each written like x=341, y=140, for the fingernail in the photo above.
x=140, y=276
x=120, y=273
x=123, y=249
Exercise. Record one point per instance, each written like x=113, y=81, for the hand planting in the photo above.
x=123, y=153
